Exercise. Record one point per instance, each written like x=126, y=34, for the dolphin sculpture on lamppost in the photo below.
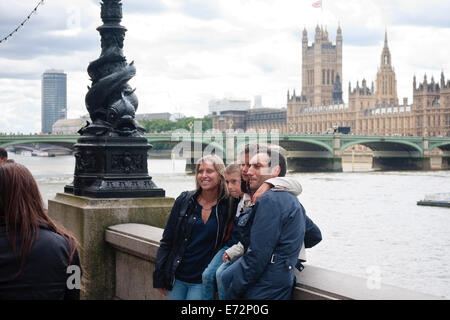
x=110, y=101
x=111, y=154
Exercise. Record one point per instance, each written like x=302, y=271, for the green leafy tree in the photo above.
x=162, y=125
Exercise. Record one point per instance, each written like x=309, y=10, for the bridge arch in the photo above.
x=444, y=146
x=306, y=144
x=57, y=142
x=384, y=145
x=22, y=147
x=310, y=153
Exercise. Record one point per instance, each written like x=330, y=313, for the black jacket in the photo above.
x=44, y=275
x=312, y=234
x=177, y=234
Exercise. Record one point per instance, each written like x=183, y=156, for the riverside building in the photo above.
x=370, y=110
x=373, y=110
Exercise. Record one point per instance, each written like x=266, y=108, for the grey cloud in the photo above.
x=362, y=37
x=267, y=68
x=207, y=39
x=266, y=63
x=12, y=74
x=427, y=14
x=28, y=46
x=47, y=18
x=142, y=6
x=188, y=72
x=36, y=38
x=359, y=36
x=139, y=6
x=200, y=9
x=15, y=121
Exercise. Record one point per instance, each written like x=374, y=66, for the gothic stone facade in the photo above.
x=373, y=110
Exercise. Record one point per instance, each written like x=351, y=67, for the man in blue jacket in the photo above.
x=274, y=231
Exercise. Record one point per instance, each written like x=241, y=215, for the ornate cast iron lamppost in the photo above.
x=111, y=154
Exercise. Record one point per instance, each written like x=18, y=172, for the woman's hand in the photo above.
x=225, y=257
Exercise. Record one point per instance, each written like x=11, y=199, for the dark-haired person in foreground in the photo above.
x=3, y=155
x=273, y=233
x=35, y=254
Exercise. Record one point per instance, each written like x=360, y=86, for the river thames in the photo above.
x=370, y=222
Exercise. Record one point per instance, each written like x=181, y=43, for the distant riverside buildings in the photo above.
x=254, y=119
x=217, y=106
x=162, y=115
x=321, y=69
x=68, y=126
x=54, y=99
x=373, y=110
x=237, y=114
x=71, y=126
x=370, y=110
x=430, y=112
x=152, y=116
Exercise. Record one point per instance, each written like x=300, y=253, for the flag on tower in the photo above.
x=317, y=4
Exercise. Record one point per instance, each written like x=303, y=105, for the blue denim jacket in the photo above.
x=273, y=232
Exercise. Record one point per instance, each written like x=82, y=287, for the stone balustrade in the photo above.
x=136, y=246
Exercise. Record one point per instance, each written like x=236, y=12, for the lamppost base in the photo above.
x=112, y=167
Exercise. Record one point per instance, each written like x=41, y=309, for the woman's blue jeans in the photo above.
x=185, y=291
x=209, y=285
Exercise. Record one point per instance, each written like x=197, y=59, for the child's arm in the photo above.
x=234, y=252
x=287, y=184
x=279, y=184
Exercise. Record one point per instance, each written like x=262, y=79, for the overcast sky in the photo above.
x=188, y=52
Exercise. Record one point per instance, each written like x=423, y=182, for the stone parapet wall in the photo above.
x=88, y=219
x=136, y=246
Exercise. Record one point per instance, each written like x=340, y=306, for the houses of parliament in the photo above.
x=371, y=110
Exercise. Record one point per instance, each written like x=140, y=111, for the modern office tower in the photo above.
x=54, y=98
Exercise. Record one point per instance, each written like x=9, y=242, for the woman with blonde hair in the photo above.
x=34, y=253
x=194, y=232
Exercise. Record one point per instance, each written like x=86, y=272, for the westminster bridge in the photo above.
x=304, y=152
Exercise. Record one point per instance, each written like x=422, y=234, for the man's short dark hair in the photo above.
x=3, y=153
x=278, y=159
x=274, y=156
